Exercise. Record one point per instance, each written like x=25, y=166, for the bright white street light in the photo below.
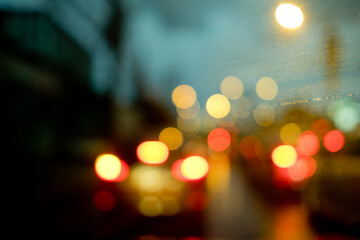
x=289, y=15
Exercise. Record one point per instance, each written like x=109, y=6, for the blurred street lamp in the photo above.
x=289, y=16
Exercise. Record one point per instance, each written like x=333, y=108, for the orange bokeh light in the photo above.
x=307, y=144
x=107, y=167
x=219, y=139
x=152, y=152
x=104, y=201
x=320, y=127
x=334, y=141
x=194, y=168
x=311, y=165
x=299, y=170
x=250, y=147
x=284, y=156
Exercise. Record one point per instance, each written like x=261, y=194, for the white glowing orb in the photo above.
x=289, y=15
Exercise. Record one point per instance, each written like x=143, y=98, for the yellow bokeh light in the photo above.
x=170, y=206
x=147, y=178
x=150, y=206
x=183, y=96
x=189, y=113
x=172, y=137
x=194, y=147
x=218, y=106
x=267, y=88
x=170, y=184
x=264, y=115
x=152, y=152
x=107, y=167
x=218, y=179
x=290, y=133
x=289, y=15
x=232, y=87
x=150, y=181
x=284, y=156
x=194, y=168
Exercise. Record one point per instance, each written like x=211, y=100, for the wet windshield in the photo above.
x=179, y=119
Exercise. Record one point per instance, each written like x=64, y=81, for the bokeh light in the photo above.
x=147, y=178
x=189, y=113
x=241, y=107
x=107, y=167
x=218, y=178
x=195, y=147
x=307, y=144
x=284, y=156
x=104, y=201
x=334, y=141
x=298, y=171
x=170, y=184
x=346, y=118
x=290, y=133
x=345, y=114
x=289, y=15
x=232, y=87
x=150, y=206
x=152, y=152
x=320, y=127
x=311, y=166
x=170, y=206
x=219, y=139
x=194, y=168
x=176, y=170
x=124, y=172
x=189, y=126
x=250, y=147
x=264, y=115
x=183, y=96
x=218, y=106
x=172, y=137
x=267, y=88
x=281, y=177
